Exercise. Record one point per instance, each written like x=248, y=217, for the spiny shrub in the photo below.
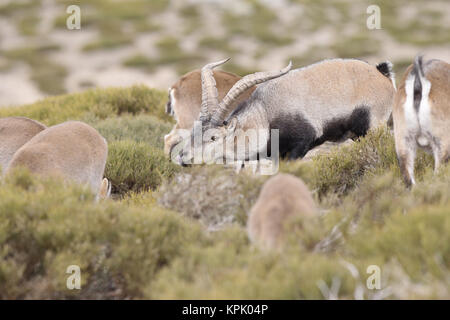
x=341, y=170
x=46, y=226
x=136, y=166
x=141, y=128
x=93, y=104
x=215, y=195
x=405, y=231
x=133, y=248
x=408, y=238
x=230, y=269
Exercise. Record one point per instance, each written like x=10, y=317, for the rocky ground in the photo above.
x=153, y=42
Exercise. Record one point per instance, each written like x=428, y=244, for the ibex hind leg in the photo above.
x=406, y=155
x=441, y=155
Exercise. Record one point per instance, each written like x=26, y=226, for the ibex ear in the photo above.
x=231, y=125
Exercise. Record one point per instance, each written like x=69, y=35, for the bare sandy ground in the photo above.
x=104, y=68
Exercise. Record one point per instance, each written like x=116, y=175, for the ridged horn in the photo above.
x=209, y=90
x=240, y=87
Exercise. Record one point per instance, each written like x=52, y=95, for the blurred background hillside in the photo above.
x=154, y=41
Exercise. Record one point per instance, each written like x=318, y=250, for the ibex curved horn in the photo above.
x=209, y=90
x=240, y=87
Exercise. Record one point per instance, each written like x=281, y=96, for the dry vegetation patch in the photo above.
x=156, y=240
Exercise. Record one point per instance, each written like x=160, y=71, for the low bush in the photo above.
x=406, y=237
x=46, y=227
x=94, y=104
x=341, y=170
x=230, y=269
x=137, y=166
x=137, y=247
x=140, y=128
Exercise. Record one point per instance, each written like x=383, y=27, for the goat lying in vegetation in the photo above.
x=282, y=197
x=185, y=98
x=421, y=114
x=327, y=101
x=72, y=150
x=14, y=133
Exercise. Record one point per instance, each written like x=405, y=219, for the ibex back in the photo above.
x=72, y=150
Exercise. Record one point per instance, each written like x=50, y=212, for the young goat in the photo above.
x=185, y=98
x=14, y=133
x=282, y=198
x=328, y=101
x=72, y=150
x=421, y=114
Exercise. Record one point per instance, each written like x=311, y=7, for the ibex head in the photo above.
x=214, y=136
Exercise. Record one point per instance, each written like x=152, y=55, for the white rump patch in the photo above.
x=425, y=108
x=412, y=122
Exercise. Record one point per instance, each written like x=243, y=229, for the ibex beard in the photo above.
x=229, y=146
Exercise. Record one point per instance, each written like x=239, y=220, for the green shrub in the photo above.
x=359, y=45
x=137, y=166
x=46, y=73
x=46, y=226
x=141, y=128
x=341, y=170
x=133, y=248
x=141, y=61
x=14, y=7
x=109, y=42
x=229, y=269
x=406, y=237
x=92, y=105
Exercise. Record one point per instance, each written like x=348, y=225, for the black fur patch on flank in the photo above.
x=357, y=123
x=297, y=135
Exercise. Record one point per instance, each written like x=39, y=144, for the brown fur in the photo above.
x=73, y=150
x=187, y=92
x=14, y=133
x=282, y=197
x=407, y=134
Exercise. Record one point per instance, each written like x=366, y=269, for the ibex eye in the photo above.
x=213, y=138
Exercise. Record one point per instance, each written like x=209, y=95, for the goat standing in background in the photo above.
x=185, y=98
x=282, y=197
x=421, y=114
